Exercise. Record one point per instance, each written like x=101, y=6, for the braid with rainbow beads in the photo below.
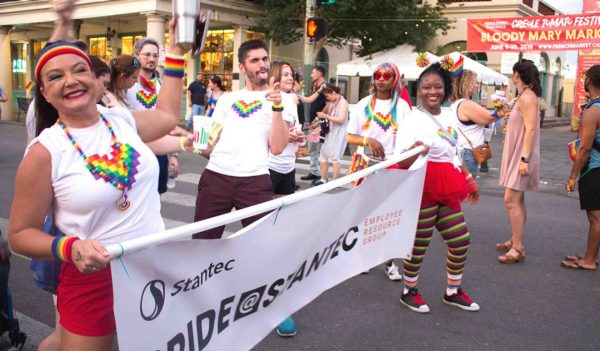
x=396, y=89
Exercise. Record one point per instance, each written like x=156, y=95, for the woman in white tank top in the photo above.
x=472, y=118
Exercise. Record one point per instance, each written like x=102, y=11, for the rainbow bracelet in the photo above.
x=61, y=248
x=174, y=66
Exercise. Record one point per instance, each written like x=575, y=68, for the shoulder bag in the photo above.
x=482, y=153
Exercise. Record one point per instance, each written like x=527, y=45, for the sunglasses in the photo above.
x=385, y=75
x=135, y=63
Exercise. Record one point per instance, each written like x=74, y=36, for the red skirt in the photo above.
x=444, y=184
x=85, y=301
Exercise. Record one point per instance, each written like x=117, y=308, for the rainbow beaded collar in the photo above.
x=245, y=110
x=117, y=168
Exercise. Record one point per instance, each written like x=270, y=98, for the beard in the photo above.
x=252, y=77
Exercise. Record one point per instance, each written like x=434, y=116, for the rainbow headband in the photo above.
x=56, y=49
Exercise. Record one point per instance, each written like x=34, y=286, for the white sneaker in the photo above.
x=392, y=272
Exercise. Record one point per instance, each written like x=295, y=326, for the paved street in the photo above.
x=535, y=305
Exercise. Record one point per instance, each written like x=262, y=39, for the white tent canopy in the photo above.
x=485, y=74
x=403, y=56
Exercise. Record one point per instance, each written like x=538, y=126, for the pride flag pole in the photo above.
x=187, y=230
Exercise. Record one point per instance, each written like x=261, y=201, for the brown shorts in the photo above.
x=219, y=194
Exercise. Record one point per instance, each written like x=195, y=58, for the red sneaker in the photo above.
x=461, y=300
x=414, y=301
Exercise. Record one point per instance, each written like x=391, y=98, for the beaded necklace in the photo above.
x=119, y=170
x=504, y=129
x=384, y=122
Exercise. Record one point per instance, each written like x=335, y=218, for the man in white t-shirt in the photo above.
x=251, y=124
x=143, y=94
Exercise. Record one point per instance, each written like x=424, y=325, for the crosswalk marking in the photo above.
x=172, y=197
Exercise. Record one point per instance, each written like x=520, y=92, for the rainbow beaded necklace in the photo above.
x=119, y=169
x=384, y=122
x=512, y=107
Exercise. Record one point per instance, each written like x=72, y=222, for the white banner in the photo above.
x=229, y=294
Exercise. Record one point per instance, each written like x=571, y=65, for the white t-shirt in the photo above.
x=472, y=131
x=85, y=206
x=243, y=148
x=286, y=161
x=378, y=129
x=139, y=98
x=419, y=126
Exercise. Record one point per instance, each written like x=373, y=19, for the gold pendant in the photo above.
x=122, y=203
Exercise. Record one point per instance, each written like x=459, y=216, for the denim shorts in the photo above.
x=468, y=160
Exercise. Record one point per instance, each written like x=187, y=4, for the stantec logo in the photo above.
x=152, y=299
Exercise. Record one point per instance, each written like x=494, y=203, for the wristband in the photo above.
x=182, y=143
x=277, y=108
x=524, y=159
x=364, y=142
x=62, y=247
x=174, y=66
x=495, y=114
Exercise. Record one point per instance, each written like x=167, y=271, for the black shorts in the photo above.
x=283, y=184
x=589, y=190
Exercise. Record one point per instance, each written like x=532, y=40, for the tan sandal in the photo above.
x=505, y=246
x=509, y=258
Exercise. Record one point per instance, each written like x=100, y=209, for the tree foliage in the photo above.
x=379, y=24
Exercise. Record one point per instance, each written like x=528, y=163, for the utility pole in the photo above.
x=309, y=48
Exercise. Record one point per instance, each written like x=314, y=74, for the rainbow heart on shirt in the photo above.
x=244, y=109
x=452, y=133
x=385, y=122
x=118, y=168
x=148, y=100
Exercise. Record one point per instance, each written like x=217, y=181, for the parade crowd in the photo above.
x=104, y=140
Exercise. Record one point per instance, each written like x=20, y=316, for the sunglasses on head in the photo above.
x=135, y=63
x=385, y=75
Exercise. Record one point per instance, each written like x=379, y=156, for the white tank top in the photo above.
x=472, y=131
x=85, y=206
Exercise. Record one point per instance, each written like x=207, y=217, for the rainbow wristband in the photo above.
x=174, y=66
x=61, y=248
x=495, y=114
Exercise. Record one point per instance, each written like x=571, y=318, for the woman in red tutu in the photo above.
x=447, y=184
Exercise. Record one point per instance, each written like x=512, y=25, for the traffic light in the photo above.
x=325, y=2
x=316, y=28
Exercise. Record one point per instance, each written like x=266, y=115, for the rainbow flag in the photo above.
x=573, y=147
x=30, y=85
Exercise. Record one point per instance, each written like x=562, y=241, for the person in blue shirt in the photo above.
x=586, y=172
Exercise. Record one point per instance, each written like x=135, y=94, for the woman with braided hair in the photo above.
x=374, y=122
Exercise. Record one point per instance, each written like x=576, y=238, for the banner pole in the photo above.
x=117, y=250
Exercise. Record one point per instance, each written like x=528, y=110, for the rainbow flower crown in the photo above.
x=447, y=63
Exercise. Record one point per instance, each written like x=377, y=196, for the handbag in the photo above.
x=482, y=153
x=45, y=273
